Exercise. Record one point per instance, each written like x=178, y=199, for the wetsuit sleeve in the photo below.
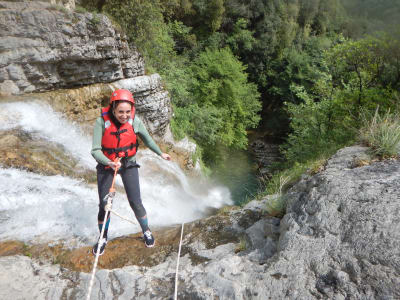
x=141, y=130
x=96, y=142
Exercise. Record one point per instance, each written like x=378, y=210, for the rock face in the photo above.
x=83, y=105
x=47, y=47
x=265, y=154
x=340, y=239
x=342, y=231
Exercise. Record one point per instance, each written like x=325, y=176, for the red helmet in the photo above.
x=122, y=94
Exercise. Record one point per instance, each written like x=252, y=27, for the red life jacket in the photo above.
x=120, y=142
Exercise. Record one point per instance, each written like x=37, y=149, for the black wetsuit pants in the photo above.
x=130, y=179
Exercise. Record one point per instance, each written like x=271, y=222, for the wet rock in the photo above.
x=19, y=149
x=131, y=269
x=83, y=104
x=265, y=153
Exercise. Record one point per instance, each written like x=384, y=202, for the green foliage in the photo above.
x=223, y=95
x=144, y=24
x=281, y=181
x=26, y=250
x=381, y=132
x=302, y=65
x=80, y=9
x=357, y=63
x=368, y=16
x=317, y=127
x=241, y=246
x=276, y=206
x=95, y=20
x=182, y=36
x=325, y=115
x=241, y=39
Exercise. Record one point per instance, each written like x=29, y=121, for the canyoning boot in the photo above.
x=148, y=239
x=102, y=243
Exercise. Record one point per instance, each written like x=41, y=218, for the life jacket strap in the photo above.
x=120, y=149
x=118, y=133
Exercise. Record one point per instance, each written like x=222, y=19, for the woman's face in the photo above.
x=122, y=112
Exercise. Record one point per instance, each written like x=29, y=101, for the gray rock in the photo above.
x=22, y=278
x=45, y=47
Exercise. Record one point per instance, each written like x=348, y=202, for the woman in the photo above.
x=115, y=136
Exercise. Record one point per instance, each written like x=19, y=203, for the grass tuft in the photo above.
x=381, y=132
x=241, y=246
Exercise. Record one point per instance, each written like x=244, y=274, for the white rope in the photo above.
x=122, y=217
x=107, y=209
x=177, y=265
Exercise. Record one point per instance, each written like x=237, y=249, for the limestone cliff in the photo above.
x=44, y=47
x=73, y=61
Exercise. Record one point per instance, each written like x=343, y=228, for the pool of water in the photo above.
x=237, y=170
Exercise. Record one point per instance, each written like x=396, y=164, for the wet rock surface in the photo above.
x=82, y=105
x=127, y=268
x=340, y=239
x=19, y=149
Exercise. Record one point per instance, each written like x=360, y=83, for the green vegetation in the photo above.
x=241, y=246
x=26, y=250
x=305, y=71
x=80, y=9
x=382, y=133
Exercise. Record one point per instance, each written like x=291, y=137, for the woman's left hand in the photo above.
x=165, y=156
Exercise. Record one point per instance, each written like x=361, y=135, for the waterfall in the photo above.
x=38, y=208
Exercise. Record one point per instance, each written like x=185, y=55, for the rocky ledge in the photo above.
x=340, y=239
x=46, y=47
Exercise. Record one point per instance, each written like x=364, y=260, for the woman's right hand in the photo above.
x=114, y=165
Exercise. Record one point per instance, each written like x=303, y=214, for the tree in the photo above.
x=221, y=87
x=144, y=24
x=360, y=64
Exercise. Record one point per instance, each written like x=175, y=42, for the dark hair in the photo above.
x=112, y=106
x=115, y=103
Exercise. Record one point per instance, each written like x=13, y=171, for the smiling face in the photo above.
x=122, y=112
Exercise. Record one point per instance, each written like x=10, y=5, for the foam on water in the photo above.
x=40, y=120
x=44, y=208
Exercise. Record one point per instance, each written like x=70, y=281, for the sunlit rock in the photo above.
x=46, y=46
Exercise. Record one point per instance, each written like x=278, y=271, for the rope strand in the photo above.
x=177, y=264
x=109, y=196
x=97, y=255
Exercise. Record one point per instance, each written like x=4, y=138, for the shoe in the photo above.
x=148, y=239
x=103, y=243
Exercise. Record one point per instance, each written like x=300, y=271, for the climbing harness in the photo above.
x=108, y=209
x=177, y=265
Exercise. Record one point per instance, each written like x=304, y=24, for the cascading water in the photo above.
x=35, y=207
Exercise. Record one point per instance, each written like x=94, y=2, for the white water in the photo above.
x=44, y=208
